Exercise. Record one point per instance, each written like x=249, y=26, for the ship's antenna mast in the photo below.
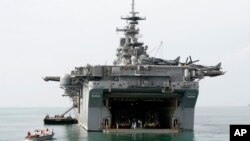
x=133, y=6
x=133, y=9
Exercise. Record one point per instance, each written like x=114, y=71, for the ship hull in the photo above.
x=148, y=108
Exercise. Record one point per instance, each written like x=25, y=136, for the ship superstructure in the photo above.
x=138, y=90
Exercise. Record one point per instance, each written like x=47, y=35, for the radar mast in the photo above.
x=130, y=51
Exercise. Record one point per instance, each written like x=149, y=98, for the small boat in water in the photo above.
x=60, y=120
x=40, y=135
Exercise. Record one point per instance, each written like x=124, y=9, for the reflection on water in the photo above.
x=187, y=136
x=69, y=133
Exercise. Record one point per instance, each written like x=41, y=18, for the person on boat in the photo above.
x=28, y=134
x=42, y=132
x=47, y=131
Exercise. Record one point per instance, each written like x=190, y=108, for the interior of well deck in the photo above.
x=142, y=112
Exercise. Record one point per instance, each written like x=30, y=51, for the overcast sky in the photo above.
x=51, y=37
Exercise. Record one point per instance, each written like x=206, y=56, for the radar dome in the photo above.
x=65, y=80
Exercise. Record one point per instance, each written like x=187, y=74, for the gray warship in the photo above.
x=138, y=90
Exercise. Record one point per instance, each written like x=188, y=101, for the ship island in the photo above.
x=138, y=91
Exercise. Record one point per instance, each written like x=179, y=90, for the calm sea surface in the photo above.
x=211, y=124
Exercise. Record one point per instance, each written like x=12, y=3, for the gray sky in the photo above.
x=51, y=37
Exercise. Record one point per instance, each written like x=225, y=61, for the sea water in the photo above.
x=211, y=124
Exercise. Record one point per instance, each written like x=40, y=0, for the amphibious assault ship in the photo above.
x=138, y=90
